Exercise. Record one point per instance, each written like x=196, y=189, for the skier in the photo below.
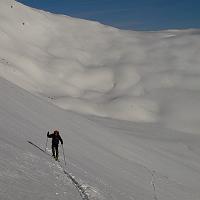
x=55, y=141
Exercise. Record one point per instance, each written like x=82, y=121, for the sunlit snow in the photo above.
x=136, y=96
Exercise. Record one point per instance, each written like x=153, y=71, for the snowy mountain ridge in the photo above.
x=94, y=69
x=149, y=78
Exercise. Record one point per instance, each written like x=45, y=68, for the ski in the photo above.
x=42, y=150
x=56, y=159
x=38, y=147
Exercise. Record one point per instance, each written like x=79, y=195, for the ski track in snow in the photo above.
x=110, y=159
x=80, y=188
x=149, y=78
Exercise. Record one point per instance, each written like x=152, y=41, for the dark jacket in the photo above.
x=55, y=139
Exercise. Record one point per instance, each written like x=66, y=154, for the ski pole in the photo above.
x=46, y=144
x=64, y=155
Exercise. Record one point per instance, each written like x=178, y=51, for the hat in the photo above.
x=56, y=131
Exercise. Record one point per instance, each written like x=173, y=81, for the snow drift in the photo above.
x=87, y=67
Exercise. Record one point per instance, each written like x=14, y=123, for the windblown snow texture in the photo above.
x=90, y=68
x=148, y=78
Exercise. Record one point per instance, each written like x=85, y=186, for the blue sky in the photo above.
x=128, y=14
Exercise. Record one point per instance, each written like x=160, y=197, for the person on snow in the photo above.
x=55, y=142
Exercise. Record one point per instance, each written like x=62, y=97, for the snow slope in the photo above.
x=110, y=159
x=90, y=68
x=149, y=78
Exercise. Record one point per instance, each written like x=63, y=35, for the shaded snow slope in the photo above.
x=111, y=159
x=95, y=69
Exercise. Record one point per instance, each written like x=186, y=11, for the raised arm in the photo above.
x=49, y=135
